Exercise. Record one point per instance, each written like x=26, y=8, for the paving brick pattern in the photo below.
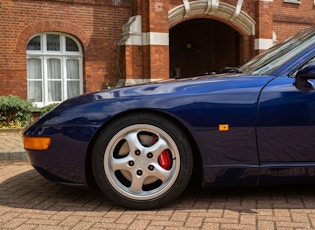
x=28, y=201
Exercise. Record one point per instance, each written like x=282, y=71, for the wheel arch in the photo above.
x=197, y=167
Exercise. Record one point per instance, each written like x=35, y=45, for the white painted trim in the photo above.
x=134, y=39
x=132, y=32
x=123, y=82
x=155, y=38
x=263, y=43
x=146, y=39
x=133, y=35
x=293, y=1
x=212, y=6
x=187, y=7
x=237, y=10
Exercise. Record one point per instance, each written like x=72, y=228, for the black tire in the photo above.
x=128, y=167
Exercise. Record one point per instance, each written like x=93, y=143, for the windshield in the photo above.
x=266, y=62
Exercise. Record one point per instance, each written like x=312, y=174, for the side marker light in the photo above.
x=36, y=143
x=224, y=127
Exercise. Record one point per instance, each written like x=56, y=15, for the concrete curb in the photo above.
x=12, y=146
x=11, y=130
x=13, y=156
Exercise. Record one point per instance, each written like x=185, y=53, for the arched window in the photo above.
x=54, y=68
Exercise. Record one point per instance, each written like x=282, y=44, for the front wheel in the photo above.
x=142, y=161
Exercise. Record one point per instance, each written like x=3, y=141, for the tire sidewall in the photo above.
x=182, y=142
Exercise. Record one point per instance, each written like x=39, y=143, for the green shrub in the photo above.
x=15, y=112
x=48, y=108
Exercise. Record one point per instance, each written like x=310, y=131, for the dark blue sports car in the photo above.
x=251, y=125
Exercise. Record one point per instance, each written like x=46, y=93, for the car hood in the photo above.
x=171, y=95
x=185, y=86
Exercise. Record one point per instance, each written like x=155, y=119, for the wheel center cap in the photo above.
x=142, y=162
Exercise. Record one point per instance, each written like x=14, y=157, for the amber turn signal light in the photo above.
x=224, y=127
x=36, y=143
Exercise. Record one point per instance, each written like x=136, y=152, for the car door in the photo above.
x=286, y=123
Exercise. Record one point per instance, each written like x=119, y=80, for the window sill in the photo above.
x=293, y=1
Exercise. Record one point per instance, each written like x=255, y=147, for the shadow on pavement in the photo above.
x=29, y=190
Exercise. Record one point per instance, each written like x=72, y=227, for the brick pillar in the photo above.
x=146, y=42
x=264, y=25
x=159, y=39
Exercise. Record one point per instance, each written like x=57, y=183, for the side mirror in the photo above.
x=303, y=75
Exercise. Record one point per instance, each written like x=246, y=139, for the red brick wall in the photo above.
x=290, y=18
x=96, y=24
x=159, y=59
x=152, y=61
x=133, y=62
x=264, y=19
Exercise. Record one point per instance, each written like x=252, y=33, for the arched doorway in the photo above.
x=200, y=46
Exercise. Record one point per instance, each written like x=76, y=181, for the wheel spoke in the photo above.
x=120, y=164
x=137, y=183
x=158, y=148
x=161, y=173
x=133, y=141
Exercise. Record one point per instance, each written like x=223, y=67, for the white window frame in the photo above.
x=43, y=54
x=293, y=1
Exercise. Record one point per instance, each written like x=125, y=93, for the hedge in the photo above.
x=15, y=112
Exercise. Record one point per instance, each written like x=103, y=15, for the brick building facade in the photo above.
x=83, y=46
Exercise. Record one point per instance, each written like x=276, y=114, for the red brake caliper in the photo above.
x=164, y=158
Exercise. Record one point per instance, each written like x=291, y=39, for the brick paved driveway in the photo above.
x=27, y=201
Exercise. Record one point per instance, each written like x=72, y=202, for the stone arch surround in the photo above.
x=224, y=12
